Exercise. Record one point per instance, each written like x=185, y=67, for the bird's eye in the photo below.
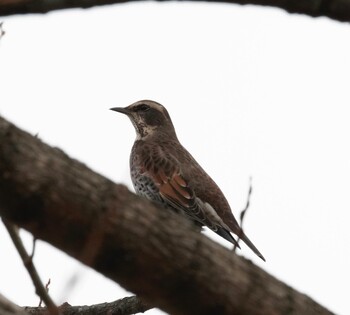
x=143, y=108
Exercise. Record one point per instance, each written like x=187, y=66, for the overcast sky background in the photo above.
x=252, y=91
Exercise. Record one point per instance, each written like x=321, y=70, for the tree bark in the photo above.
x=148, y=250
x=126, y=306
x=334, y=9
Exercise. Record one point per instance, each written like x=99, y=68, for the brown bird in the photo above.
x=162, y=170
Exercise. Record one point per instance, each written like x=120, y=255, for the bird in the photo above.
x=163, y=171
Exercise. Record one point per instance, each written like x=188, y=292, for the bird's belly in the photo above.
x=145, y=187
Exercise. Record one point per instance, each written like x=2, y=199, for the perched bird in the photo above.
x=162, y=170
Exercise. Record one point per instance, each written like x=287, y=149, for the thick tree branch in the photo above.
x=147, y=249
x=334, y=9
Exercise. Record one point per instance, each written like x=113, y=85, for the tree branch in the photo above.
x=9, y=308
x=126, y=306
x=334, y=9
x=29, y=265
x=148, y=250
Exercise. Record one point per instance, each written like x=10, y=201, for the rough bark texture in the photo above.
x=148, y=250
x=126, y=306
x=334, y=9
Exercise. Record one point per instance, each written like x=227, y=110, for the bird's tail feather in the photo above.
x=249, y=243
x=227, y=236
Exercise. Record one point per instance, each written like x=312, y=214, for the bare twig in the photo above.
x=33, y=248
x=2, y=32
x=47, y=290
x=243, y=212
x=28, y=263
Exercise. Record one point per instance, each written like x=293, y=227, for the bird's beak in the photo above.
x=122, y=110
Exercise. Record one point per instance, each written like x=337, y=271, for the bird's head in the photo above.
x=149, y=118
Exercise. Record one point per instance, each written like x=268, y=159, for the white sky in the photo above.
x=252, y=92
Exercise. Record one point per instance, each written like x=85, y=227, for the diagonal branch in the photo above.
x=29, y=265
x=334, y=9
x=148, y=250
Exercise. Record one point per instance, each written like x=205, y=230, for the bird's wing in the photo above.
x=176, y=192
x=174, y=189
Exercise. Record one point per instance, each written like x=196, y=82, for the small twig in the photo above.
x=33, y=248
x=47, y=290
x=243, y=212
x=2, y=32
x=28, y=263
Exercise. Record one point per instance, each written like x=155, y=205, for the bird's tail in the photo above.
x=227, y=236
x=249, y=243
